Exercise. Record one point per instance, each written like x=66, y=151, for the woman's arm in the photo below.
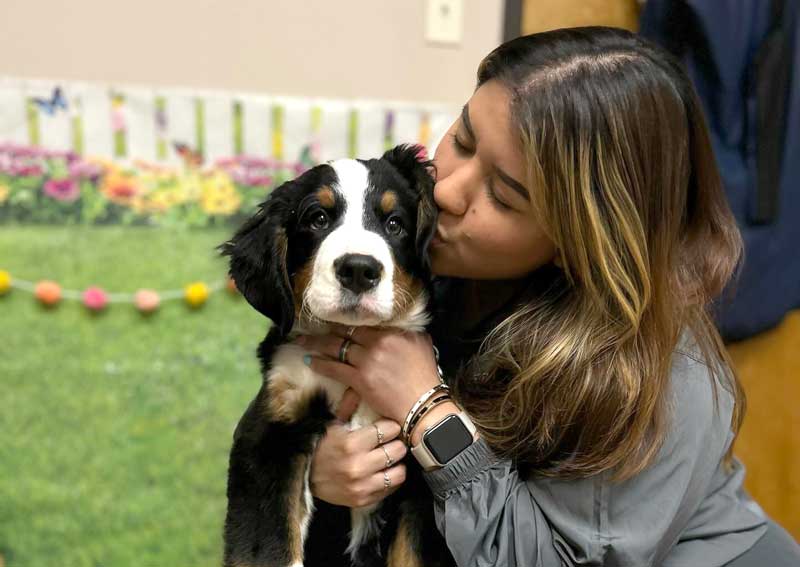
x=685, y=508
x=487, y=515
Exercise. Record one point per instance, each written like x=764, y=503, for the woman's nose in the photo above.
x=452, y=191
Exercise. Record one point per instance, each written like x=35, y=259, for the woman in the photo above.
x=582, y=234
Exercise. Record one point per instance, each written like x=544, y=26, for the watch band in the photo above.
x=424, y=455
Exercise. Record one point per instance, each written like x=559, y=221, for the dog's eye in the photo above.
x=319, y=221
x=394, y=226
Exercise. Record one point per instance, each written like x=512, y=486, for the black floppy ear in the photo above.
x=412, y=163
x=257, y=254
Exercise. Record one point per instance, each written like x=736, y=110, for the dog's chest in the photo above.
x=291, y=382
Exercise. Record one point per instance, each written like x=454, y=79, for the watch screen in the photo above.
x=448, y=439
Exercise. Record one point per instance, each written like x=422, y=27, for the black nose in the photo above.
x=358, y=272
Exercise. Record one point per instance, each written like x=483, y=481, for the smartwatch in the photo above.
x=444, y=440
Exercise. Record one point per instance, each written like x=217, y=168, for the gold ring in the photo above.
x=387, y=482
x=380, y=433
x=389, y=460
x=343, y=351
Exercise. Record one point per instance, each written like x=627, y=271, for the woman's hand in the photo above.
x=388, y=368
x=347, y=467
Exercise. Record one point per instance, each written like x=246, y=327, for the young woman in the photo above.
x=582, y=234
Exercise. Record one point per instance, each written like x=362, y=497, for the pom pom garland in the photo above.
x=95, y=299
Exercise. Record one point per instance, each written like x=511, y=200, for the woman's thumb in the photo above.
x=347, y=405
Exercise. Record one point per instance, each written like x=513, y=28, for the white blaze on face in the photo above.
x=324, y=295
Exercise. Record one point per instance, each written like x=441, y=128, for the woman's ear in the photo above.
x=257, y=254
x=412, y=163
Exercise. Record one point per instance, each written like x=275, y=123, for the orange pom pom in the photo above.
x=48, y=292
x=146, y=300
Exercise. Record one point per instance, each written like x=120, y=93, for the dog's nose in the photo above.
x=358, y=272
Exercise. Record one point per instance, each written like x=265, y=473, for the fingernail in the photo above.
x=307, y=360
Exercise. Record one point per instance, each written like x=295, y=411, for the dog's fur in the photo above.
x=287, y=261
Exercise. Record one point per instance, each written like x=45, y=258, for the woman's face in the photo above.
x=487, y=227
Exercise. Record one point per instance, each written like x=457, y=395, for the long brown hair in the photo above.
x=623, y=176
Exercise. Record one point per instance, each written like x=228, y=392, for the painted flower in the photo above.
x=219, y=195
x=65, y=190
x=121, y=188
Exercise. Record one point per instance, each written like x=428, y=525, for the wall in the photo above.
x=352, y=48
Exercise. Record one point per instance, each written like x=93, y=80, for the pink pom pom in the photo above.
x=146, y=300
x=95, y=299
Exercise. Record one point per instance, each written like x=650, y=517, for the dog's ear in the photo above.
x=257, y=254
x=413, y=164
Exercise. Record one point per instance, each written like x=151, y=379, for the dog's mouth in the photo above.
x=351, y=309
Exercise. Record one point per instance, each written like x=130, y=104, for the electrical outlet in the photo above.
x=444, y=21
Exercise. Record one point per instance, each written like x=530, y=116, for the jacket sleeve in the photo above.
x=486, y=513
x=490, y=516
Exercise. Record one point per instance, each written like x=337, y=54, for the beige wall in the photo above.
x=345, y=48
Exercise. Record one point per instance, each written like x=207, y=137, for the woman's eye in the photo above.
x=319, y=221
x=461, y=149
x=394, y=226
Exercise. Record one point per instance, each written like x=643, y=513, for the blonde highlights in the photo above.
x=575, y=380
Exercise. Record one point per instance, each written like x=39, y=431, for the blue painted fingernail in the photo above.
x=307, y=360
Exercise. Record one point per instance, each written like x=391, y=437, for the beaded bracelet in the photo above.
x=423, y=410
x=422, y=399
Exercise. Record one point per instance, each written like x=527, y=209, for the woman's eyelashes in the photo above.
x=460, y=147
x=493, y=196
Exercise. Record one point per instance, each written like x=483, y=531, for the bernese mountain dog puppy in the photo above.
x=345, y=243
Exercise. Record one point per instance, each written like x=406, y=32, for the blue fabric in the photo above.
x=719, y=42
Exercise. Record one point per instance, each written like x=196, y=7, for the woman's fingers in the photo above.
x=366, y=438
x=396, y=476
x=331, y=346
x=395, y=450
x=347, y=405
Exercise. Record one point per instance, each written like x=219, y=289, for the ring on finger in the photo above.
x=389, y=460
x=343, y=351
x=387, y=482
x=380, y=433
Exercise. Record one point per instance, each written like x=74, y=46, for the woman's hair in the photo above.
x=576, y=380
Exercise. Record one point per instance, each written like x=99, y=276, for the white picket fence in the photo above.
x=128, y=122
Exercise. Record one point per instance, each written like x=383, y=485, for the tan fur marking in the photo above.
x=326, y=197
x=297, y=507
x=388, y=201
x=400, y=552
x=406, y=290
x=301, y=281
x=286, y=402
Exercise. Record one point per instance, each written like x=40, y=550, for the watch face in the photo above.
x=447, y=439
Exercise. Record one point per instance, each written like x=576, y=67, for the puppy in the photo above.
x=343, y=243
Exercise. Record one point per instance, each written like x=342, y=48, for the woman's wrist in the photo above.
x=431, y=418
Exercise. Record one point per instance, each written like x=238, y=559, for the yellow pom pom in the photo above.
x=196, y=294
x=5, y=282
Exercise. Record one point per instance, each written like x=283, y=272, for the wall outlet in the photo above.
x=444, y=21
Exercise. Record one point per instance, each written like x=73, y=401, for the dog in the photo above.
x=345, y=243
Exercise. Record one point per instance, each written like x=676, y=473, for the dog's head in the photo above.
x=345, y=242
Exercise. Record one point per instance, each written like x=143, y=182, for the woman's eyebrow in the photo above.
x=466, y=122
x=513, y=183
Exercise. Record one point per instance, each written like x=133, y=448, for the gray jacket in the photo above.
x=686, y=509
